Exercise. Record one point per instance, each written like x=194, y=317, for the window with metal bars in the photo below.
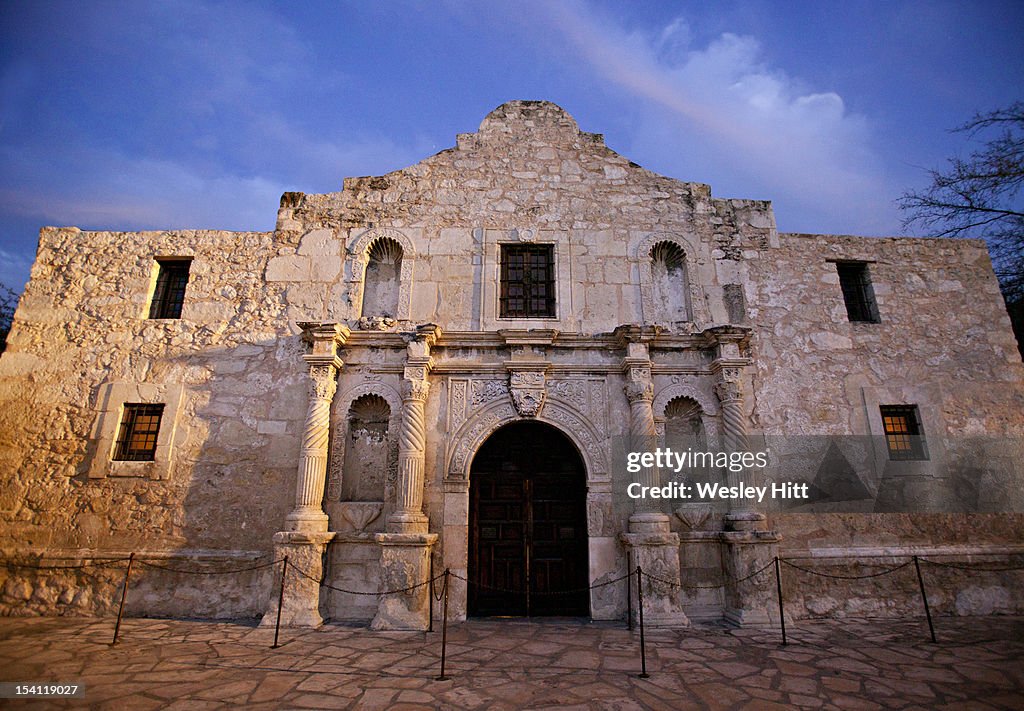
x=136, y=439
x=857, y=291
x=169, y=295
x=903, y=434
x=527, y=281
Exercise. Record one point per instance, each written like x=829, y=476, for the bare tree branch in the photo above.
x=979, y=196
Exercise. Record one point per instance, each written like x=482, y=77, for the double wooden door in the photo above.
x=528, y=535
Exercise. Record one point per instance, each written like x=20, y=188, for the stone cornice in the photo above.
x=492, y=340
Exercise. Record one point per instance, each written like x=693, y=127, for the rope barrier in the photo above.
x=981, y=567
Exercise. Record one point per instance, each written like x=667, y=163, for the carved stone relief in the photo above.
x=528, y=392
x=485, y=391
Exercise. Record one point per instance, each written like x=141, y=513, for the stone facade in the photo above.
x=327, y=385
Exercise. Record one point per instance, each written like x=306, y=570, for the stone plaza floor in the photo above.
x=978, y=663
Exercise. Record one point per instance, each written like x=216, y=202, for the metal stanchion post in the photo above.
x=444, y=627
x=280, y=600
x=924, y=598
x=778, y=585
x=430, y=591
x=640, y=608
x=629, y=591
x=124, y=596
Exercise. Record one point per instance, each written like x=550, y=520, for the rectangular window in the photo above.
x=903, y=434
x=140, y=425
x=170, y=288
x=527, y=281
x=857, y=291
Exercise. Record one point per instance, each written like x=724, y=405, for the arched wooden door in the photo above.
x=528, y=524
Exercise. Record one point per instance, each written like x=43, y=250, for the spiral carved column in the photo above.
x=406, y=546
x=647, y=515
x=643, y=435
x=650, y=541
x=734, y=422
x=308, y=514
x=408, y=516
x=306, y=536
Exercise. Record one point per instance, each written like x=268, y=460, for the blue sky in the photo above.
x=154, y=115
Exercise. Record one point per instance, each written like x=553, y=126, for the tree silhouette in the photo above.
x=980, y=197
x=8, y=302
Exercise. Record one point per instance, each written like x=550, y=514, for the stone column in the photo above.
x=301, y=601
x=643, y=437
x=306, y=535
x=408, y=516
x=324, y=364
x=749, y=546
x=405, y=554
x=650, y=540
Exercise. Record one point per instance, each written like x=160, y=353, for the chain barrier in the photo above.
x=435, y=595
x=10, y=564
x=171, y=569
x=447, y=574
x=320, y=582
x=835, y=576
x=686, y=586
x=956, y=566
x=574, y=591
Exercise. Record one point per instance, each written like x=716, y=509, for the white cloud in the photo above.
x=723, y=107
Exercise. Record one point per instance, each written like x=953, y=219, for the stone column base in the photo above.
x=657, y=554
x=752, y=602
x=404, y=562
x=301, y=602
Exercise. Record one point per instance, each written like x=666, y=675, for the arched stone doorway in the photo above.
x=528, y=524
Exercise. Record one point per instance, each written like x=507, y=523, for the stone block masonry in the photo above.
x=327, y=385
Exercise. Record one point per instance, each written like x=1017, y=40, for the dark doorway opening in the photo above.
x=528, y=525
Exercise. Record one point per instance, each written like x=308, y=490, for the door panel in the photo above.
x=528, y=534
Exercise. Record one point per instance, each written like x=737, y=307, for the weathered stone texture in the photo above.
x=392, y=284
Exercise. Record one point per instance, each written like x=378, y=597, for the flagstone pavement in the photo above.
x=978, y=663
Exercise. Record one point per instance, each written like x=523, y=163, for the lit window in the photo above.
x=140, y=425
x=527, y=281
x=857, y=291
x=903, y=434
x=170, y=288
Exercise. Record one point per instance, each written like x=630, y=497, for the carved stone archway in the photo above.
x=475, y=431
x=467, y=440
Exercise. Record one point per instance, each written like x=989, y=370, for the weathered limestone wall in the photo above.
x=528, y=175
x=232, y=373
x=943, y=343
x=82, y=325
x=943, y=325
